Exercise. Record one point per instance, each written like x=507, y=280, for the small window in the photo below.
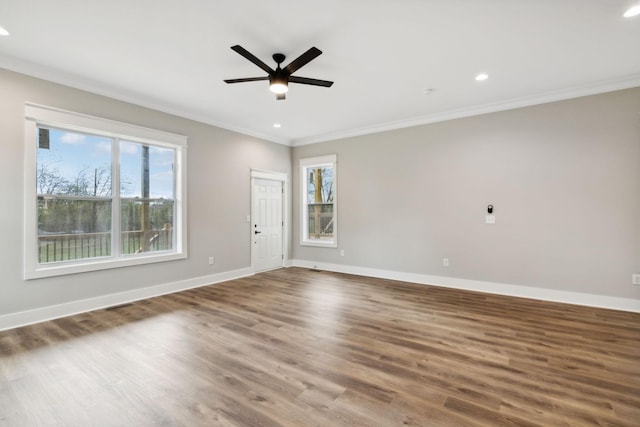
x=319, y=207
x=100, y=194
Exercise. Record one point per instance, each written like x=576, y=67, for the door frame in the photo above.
x=284, y=179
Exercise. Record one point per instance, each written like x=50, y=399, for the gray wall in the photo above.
x=219, y=164
x=564, y=178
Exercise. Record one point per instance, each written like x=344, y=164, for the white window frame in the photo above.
x=39, y=115
x=305, y=165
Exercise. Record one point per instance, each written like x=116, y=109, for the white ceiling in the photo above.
x=172, y=55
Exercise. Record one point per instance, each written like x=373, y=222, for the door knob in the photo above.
x=257, y=232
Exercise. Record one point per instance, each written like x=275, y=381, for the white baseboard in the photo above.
x=15, y=320
x=544, y=294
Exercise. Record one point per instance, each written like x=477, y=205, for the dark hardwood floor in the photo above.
x=301, y=348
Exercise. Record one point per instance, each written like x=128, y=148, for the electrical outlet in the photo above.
x=212, y=260
x=490, y=219
x=341, y=252
x=445, y=262
x=635, y=279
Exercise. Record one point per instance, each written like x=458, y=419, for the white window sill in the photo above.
x=319, y=244
x=62, y=268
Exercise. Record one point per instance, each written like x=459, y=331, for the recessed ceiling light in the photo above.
x=3, y=32
x=277, y=125
x=633, y=11
x=482, y=76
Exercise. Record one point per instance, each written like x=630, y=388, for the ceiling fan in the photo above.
x=280, y=78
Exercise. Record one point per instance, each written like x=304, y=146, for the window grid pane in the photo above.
x=73, y=185
x=147, y=211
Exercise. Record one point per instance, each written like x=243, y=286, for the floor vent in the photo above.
x=117, y=307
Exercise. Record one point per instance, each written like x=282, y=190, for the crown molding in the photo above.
x=89, y=85
x=621, y=83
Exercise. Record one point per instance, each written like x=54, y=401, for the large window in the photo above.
x=100, y=194
x=319, y=207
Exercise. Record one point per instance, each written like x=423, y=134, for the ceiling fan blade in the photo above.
x=251, y=57
x=302, y=60
x=308, y=81
x=281, y=96
x=248, y=79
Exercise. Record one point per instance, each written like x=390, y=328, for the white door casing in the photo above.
x=267, y=224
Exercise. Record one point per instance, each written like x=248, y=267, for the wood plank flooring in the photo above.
x=296, y=347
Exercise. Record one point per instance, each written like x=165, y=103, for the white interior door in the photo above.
x=266, y=224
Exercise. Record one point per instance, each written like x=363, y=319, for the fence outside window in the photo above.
x=69, y=247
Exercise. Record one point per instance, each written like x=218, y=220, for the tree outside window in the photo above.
x=319, y=207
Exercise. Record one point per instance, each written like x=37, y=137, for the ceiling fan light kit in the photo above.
x=280, y=78
x=279, y=87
